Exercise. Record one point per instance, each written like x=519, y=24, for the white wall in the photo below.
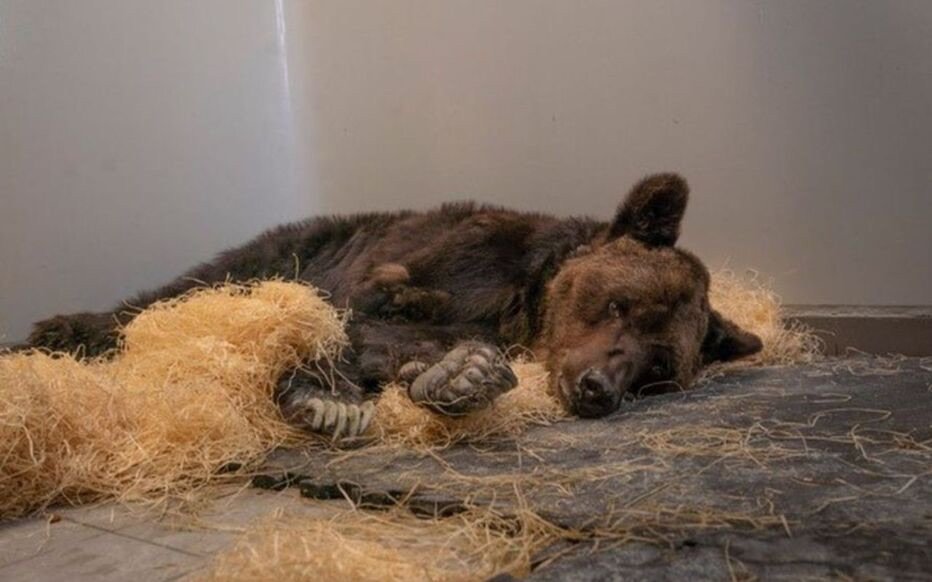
x=138, y=137
x=804, y=127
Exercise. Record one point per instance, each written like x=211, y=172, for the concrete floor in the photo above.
x=848, y=492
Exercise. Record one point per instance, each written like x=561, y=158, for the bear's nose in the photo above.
x=596, y=395
x=593, y=385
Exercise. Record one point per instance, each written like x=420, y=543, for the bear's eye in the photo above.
x=616, y=309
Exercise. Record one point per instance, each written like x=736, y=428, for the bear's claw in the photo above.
x=338, y=420
x=410, y=371
x=469, y=378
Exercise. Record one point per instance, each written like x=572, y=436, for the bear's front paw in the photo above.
x=469, y=378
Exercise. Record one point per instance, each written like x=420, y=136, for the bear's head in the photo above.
x=631, y=315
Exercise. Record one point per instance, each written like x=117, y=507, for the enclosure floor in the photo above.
x=831, y=478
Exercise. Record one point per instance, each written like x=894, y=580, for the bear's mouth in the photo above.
x=658, y=377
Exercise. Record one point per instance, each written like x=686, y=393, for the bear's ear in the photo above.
x=653, y=210
x=724, y=341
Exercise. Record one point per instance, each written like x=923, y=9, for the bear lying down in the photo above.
x=614, y=309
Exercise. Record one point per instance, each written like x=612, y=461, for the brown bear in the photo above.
x=613, y=308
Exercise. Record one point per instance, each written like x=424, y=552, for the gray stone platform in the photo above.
x=809, y=472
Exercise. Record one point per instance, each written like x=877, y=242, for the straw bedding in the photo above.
x=475, y=545
x=396, y=546
x=750, y=302
x=189, y=393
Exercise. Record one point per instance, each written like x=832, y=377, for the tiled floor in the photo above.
x=108, y=542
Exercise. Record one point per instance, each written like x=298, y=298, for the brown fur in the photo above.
x=419, y=283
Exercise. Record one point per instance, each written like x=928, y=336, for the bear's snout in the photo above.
x=595, y=377
x=596, y=394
